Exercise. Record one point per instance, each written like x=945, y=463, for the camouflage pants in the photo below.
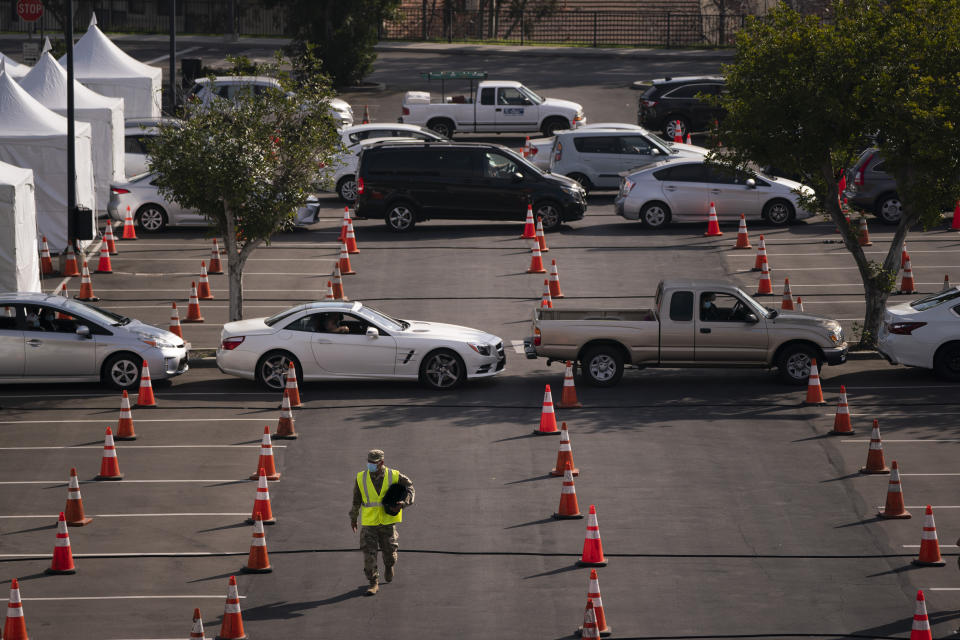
x=383, y=538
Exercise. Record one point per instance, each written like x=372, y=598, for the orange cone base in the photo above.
x=603, y=634
x=815, y=402
x=133, y=437
x=281, y=436
x=919, y=563
x=96, y=299
x=834, y=432
x=547, y=433
x=117, y=477
x=59, y=572
x=266, y=569
x=194, y=320
x=232, y=637
x=559, y=472
x=270, y=521
x=899, y=516
x=576, y=516
x=256, y=476
x=530, y=270
x=884, y=471
x=581, y=563
x=574, y=405
x=79, y=523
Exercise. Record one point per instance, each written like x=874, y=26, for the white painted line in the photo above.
x=838, y=252
x=192, y=420
x=53, y=516
x=941, y=588
x=245, y=290
x=926, y=266
x=849, y=284
x=164, y=57
x=916, y=546
x=911, y=388
x=866, y=440
x=97, y=447
x=517, y=346
x=178, y=596
x=172, y=395
x=215, y=275
x=107, y=482
x=930, y=474
x=207, y=247
x=151, y=554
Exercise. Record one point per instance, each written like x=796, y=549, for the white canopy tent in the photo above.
x=47, y=82
x=106, y=69
x=19, y=261
x=33, y=137
x=13, y=67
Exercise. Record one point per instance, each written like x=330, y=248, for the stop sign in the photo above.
x=29, y=10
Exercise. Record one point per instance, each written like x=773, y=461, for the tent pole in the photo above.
x=173, y=57
x=71, y=133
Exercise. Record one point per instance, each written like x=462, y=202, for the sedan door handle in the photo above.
x=498, y=109
x=34, y=342
x=714, y=190
x=669, y=188
x=704, y=330
x=322, y=341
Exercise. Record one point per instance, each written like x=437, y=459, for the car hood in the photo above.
x=248, y=327
x=792, y=185
x=556, y=103
x=689, y=150
x=791, y=319
x=148, y=331
x=449, y=332
x=563, y=180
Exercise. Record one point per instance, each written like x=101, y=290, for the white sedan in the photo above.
x=349, y=341
x=924, y=333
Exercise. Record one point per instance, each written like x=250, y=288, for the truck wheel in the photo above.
x=443, y=126
x=794, y=363
x=551, y=125
x=946, y=362
x=602, y=366
x=400, y=217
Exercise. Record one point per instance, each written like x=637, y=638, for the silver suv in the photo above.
x=871, y=188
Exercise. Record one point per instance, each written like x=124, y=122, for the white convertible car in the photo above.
x=346, y=340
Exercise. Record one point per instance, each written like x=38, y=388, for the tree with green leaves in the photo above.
x=248, y=164
x=805, y=93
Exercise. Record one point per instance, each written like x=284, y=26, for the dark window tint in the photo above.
x=597, y=144
x=681, y=306
x=720, y=175
x=8, y=318
x=683, y=173
x=879, y=167
x=394, y=161
x=487, y=95
x=688, y=91
x=496, y=165
x=634, y=144
x=451, y=162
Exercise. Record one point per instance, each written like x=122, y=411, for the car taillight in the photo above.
x=405, y=111
x=559, y=153
x=231, y=343
x=118, y=190
x=536, y=337
x=359, y=185
x=861, y=172
x=649, y=104
x=533, y=151
x=904, y=328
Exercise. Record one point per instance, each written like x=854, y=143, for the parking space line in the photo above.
x=517, y=346
x=934, y=440
x=53, y=516
x=139, y=420
x=245, y=290
x=930, y=474
x=125, y=481
x=149, y=554
x=916, y=546
x=153, y=597
x=146, y=446
x=165, y=395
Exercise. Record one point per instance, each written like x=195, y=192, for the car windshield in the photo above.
x=382, y=319
x=521, y=160
x=96, y=313
x=534, y=98
x=758, y=308
x=272, y=320
x=935, y=300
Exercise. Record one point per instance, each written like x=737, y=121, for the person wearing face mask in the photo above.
x=378, y=517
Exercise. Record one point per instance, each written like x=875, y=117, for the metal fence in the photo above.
x=572, y=28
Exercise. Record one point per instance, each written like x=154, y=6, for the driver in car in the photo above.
x=331, y=324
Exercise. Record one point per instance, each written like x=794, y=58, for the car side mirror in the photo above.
x=654, y=151
x=517, y=177
x=83, y=331
x=751, y=318
x=751, y=183
x=372, y=332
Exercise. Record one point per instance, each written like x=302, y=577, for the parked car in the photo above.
x=540, y=147
x=137, y=133
x=668, y=100
x=408, y=182
x=596, y=157
x=374, y=346
x=152, y=213
x=924, y=333
x=699, y=323
x=682, y=190
x=870, y=187
x=46, y=338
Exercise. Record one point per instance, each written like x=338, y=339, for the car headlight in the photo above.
x=836, y=335
x=575, y=190
x=155, y=341
x=482, y=349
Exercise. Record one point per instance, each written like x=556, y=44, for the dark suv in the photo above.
x=870, y=187
x=407, y=182
x=670, y=99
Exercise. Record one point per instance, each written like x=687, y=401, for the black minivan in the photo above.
x=405, y=182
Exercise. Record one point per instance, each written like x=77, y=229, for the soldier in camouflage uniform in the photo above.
x=378, y=529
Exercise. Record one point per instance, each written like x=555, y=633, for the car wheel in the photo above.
x=151, y=218
x=602, y=366
x=401, y=217
x=583, y=180
x=443, y=126
x=794, y=363
x=778, y=212
x=888, y=208
x=552, y=125
x=549, y=212
x=347, y=188
x=272, y=370
x=442, y=369
x=946, y=362
x=655, y=215
x=121, y=371
x=670, y=126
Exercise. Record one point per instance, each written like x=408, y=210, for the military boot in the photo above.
x=373, y=588
x=388, y=573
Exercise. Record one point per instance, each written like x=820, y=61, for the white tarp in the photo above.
x=33, y=137
x=19, y=257
x=105, y=68
x=47, y=82
x=13, y=67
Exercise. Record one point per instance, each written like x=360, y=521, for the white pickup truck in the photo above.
x=497, y=106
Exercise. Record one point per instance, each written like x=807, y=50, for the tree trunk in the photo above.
x=236, y=259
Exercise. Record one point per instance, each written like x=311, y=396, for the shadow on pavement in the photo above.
x=285, y=610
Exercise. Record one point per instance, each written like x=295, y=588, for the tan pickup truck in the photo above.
x=694, y=323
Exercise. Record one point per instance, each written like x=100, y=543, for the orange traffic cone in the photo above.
x=338, y=293
x=589, y=629
x=232, y=626
x=74, y=509
x=568, y=509
x=548, y=420
x=593, y=595
x=592, y=555
x=713, y=225
x=555, y=291
x=46, y=264
x=344, y=224
x=787, y=303
x=109, y=465
x=70, y=265
x=545, y=301
x=62, y=292
x=174, y=327
x=529, y=231
x=104, y=266
x=677, y=134
x=129, y=233
x=216, y=268
x=62, y=555
x=125, y=423
x=863, y=236
x=292, y=390
x=875, y=462
x=344, y=262
x=526, y=148
x=536, y=260
x=921, y=623
x=145, y=392
x=193, y=306
x=904, y=256
x=955, y=223
x=929, y=546
x=265, y=462
x=743, y=238
x=541, y=238
x=258, y=561
x=351, y=239
x=765, y=288
x=906, y=283
x=86, y=286
x=799, y=304
x=329, y=294
x=196, y=631
x=568, y=395
x=565, y=454
x=110, y=239
x=689, y=138
x=841, y=421
x=15, y=626
x=203, y=289
x=366, y=115
x=894, y=507
x=814, y=391
x=761, y=255
x=285, y=426
x=261, y=506
x=946, y=282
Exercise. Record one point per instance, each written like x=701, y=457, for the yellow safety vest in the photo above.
x=371, y=511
